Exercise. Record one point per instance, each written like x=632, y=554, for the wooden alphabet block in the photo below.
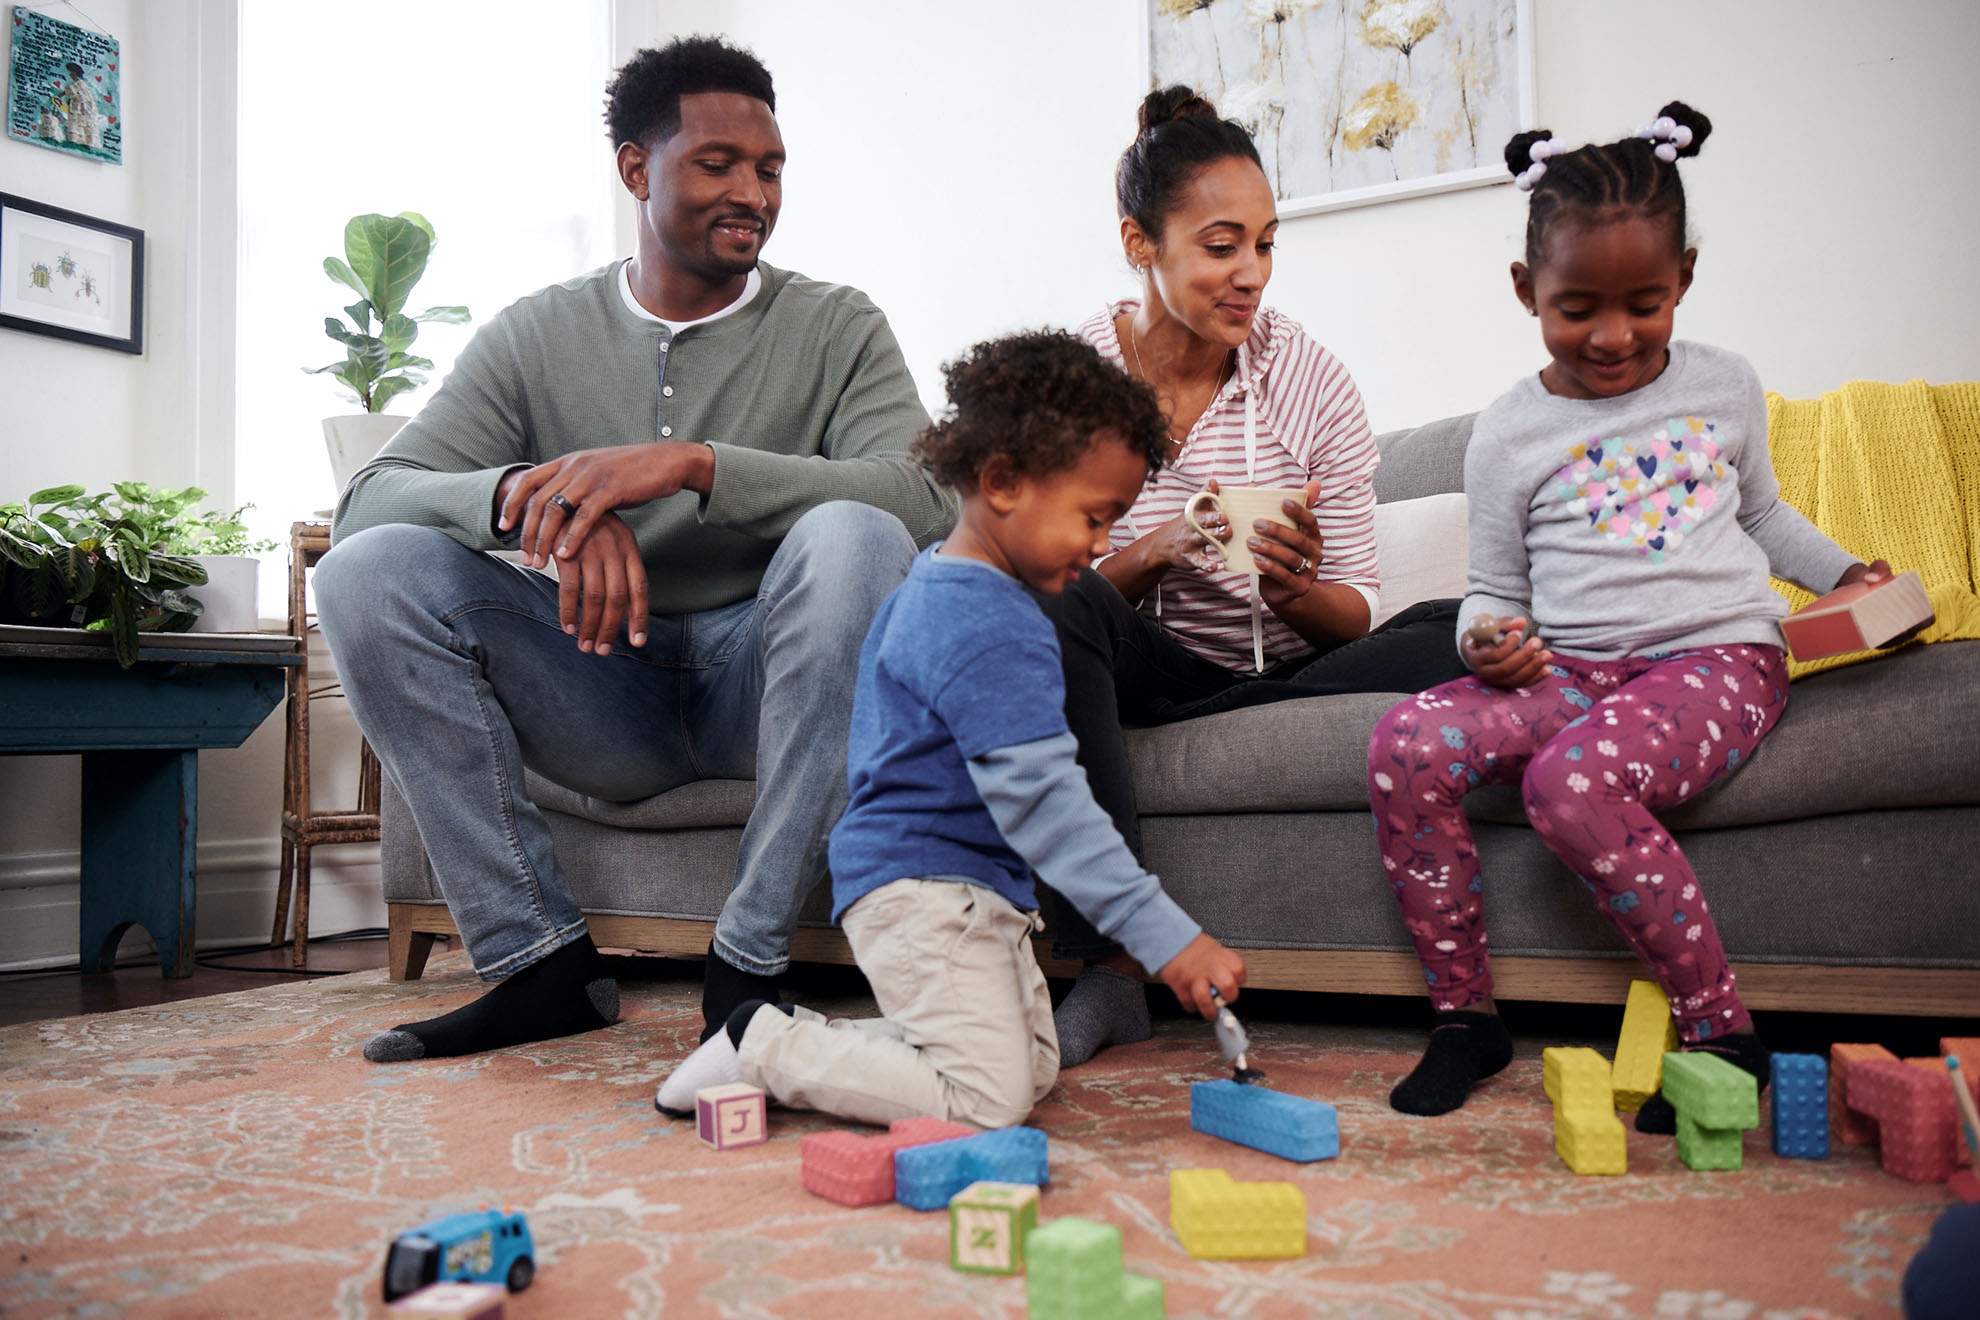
x=730, y=1116
x=988, y=1222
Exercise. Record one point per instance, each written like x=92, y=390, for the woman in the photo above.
x=1159, y=631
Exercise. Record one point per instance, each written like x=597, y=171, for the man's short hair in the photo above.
x=643, y=101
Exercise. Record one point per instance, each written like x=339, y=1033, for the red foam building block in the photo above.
x=1857, y=617
x=854, y=1169
x=1937, y=1068
x=1914, y=1113
x=1847, y=1127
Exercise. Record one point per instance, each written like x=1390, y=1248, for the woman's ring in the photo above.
x=562, y=503
x=1304, y=564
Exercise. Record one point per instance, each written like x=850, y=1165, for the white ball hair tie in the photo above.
x=1670, y=136
x=1539, y=153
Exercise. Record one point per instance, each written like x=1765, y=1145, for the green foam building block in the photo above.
x=1073, y=1272
x=1704, y=1148
x=1716, y=1094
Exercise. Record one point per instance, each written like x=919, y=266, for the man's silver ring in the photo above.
x=562, y=503
x=1304, y=564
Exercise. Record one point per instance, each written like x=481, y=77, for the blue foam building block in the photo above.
x=1801, y=1106
x=925, y=1177
x=1288, y=1126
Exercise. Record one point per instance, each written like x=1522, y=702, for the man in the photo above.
x=711, y=453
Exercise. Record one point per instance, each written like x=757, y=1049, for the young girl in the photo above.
x=1624, y=519
x=964, y=779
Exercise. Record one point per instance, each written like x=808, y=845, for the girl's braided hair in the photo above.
x=1628, y=175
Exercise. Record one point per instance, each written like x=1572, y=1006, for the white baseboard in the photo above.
x=40, y=899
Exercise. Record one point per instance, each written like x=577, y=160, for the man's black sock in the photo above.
x=561, y=995
x=1745, y=1050
x=725, y=988
x=1464, y=1048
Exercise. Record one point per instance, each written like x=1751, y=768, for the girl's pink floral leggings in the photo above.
x=1597, y=746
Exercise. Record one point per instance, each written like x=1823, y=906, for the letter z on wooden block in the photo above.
x=730, y=1116
x=1848, y=1126
x=1073, y=1272
x=1272, y=1121
x=855, y=1169
x=1216, y=1217
x=988, y=1222
x=1914, y=1114
x=925, y=1177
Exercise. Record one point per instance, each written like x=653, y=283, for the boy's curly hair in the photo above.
x=1038, y=398
x=643, y=101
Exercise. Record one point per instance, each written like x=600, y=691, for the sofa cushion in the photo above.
x=1425, y=460
x=1421, y=550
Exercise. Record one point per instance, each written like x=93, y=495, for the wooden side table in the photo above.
x=304, y=827
x=139, y=731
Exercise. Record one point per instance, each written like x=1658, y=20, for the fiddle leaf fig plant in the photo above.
x=384, y=257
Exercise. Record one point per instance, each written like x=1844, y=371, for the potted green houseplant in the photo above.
x=217, y=541
x=384, y=257
x=68, y=560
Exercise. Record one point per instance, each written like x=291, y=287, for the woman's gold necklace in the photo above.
x=1224, y=373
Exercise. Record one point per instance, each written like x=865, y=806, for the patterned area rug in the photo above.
x=235, y=1156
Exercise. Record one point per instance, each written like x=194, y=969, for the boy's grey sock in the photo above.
x=1104, y=1007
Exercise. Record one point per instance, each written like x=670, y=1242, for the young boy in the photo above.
x=963, y=775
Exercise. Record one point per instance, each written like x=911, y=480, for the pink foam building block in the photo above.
x=1937, y=1068
x=855, y=1169
x=1858, y=617
x=455, y=1301
x=730, y=1116
x=1914, y=1113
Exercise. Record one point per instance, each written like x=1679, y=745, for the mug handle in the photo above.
x=1189, y=516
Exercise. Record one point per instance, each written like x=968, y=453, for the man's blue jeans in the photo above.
x=460, y=675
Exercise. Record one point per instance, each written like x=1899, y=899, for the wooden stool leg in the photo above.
x=283, y=881
x=299, y=953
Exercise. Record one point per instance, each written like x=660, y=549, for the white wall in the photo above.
x=955, y=161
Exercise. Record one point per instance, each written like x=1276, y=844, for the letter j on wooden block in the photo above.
x=988, y=1222
x=730, y=1116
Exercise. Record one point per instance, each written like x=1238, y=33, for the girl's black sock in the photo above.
x=561, y=995
x=1465, y=1047
x=1744, y=1050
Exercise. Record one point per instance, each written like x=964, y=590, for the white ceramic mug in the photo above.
x=1242, y=506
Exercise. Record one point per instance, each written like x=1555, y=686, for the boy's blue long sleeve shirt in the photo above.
x=961, y=765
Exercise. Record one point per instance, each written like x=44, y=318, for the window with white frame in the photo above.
x=485, y=116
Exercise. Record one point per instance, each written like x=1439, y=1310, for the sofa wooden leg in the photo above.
x=406, y=948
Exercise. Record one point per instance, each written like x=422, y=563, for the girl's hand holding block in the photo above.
x=1871, y=608
x=1499, y=651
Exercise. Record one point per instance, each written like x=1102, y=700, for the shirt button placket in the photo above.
x=666, y=390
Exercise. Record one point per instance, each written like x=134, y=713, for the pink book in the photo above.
x=1858, y=617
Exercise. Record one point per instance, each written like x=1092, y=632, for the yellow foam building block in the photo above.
x=1587, y=1134
x=1215, y=1217
x=1648, y=1033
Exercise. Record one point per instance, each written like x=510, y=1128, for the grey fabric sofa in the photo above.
x=1843, y=861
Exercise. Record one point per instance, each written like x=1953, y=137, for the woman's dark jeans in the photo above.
x=1123, y=670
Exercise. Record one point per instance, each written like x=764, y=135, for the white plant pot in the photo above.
x=355, y=439
x=229, y=594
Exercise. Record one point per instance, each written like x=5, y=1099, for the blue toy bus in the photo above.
x=478, y=1246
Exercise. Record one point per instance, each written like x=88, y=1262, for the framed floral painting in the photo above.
x=1356, y=101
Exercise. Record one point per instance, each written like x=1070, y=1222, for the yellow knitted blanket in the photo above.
x=1892, y=472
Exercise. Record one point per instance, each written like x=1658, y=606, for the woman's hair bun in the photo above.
x=1701, y=127
x=1519, y=151
x=1174, y=102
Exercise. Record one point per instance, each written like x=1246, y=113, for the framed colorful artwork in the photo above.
x=1356, y=101
x=62, y=90
x=70, y=275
